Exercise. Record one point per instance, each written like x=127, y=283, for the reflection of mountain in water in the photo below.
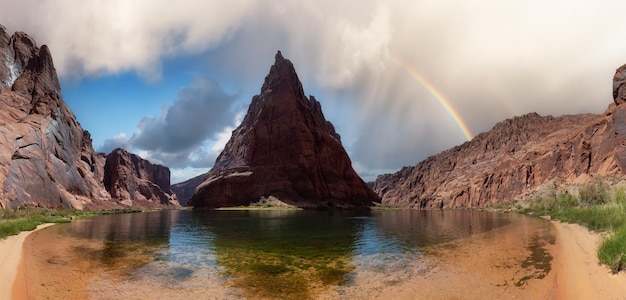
x=126, y=242
x=423, y=228
x=284, y=254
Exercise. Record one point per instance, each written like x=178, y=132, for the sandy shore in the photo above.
x=10, y=258
x=579, y=273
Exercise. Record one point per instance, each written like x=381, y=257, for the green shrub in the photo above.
x=613, y=250
x=594, y=193
x=619, y=196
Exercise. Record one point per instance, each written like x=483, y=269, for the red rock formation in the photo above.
x=136, y=182
x=46, y=158
x=184, y=190
x=619, y=90
x=512, y=160
x=284, y=148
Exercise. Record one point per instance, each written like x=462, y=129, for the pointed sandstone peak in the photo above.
x=282, y=78
x=284, y=149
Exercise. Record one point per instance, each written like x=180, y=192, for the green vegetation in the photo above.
x=28, y=218
x=599, y=208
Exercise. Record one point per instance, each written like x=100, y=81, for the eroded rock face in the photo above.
x=619, y=90
x=512, y=160
x=184, y=190
x=46, y=158
x=286, y=149
x=136, y=181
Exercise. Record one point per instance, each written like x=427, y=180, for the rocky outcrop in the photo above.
x=46, y=158
x=136, y=182
x=619, y=90
x=512, y=160
x=284, y=149
x=184, y=190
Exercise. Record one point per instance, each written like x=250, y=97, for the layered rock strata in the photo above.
x=283, y=149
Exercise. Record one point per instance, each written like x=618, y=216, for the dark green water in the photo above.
x=266, y=253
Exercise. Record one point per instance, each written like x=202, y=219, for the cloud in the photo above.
x=108, y=37
x=490, y=60
x=118, y=141
x=179, y=136
x=201, y=110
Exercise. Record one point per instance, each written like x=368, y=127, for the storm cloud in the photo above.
x=489, y=60
x=177, y=136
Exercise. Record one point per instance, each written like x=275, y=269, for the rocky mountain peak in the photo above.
x=282, y=78
x=284, y=149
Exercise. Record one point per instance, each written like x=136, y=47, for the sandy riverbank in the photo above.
x=579, y=273
x=10, y=258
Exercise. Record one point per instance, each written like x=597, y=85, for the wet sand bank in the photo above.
x=10, y=259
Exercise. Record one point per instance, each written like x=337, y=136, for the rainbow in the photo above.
x=437, y=94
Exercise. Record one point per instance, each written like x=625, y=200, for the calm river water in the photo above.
x=286, y=254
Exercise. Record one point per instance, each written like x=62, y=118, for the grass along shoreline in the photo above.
x=596, y=206
x=13, y=222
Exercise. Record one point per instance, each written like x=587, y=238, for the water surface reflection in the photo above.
x=256, y=254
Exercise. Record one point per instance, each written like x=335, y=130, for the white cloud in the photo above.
x=490, y=59
x=118, y=141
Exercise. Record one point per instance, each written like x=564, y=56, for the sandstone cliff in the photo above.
x=184, y=190
x=46, y=158
x=515, y=158
x=284, y=148
x=136, y=181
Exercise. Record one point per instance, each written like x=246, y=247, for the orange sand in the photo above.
x=10, y=257
x=579, y=273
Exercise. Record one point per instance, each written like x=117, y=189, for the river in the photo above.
x=291, y=254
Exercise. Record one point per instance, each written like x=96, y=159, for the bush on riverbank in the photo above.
x=599, y=208
x=28, y=218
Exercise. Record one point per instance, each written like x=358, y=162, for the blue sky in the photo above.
x=169, y=82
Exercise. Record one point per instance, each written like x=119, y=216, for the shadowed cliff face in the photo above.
x=184, y=190
x=46, y=158
x=284, y=148
x=514, y=159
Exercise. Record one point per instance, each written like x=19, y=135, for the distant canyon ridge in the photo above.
x=516, y=159
x=284, y=153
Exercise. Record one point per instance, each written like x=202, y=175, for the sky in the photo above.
x=400, y=80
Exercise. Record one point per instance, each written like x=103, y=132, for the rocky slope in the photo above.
x=514, y=159
x=136, y=181
x=46, y=158
x=184, y=190
x=283, y=149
